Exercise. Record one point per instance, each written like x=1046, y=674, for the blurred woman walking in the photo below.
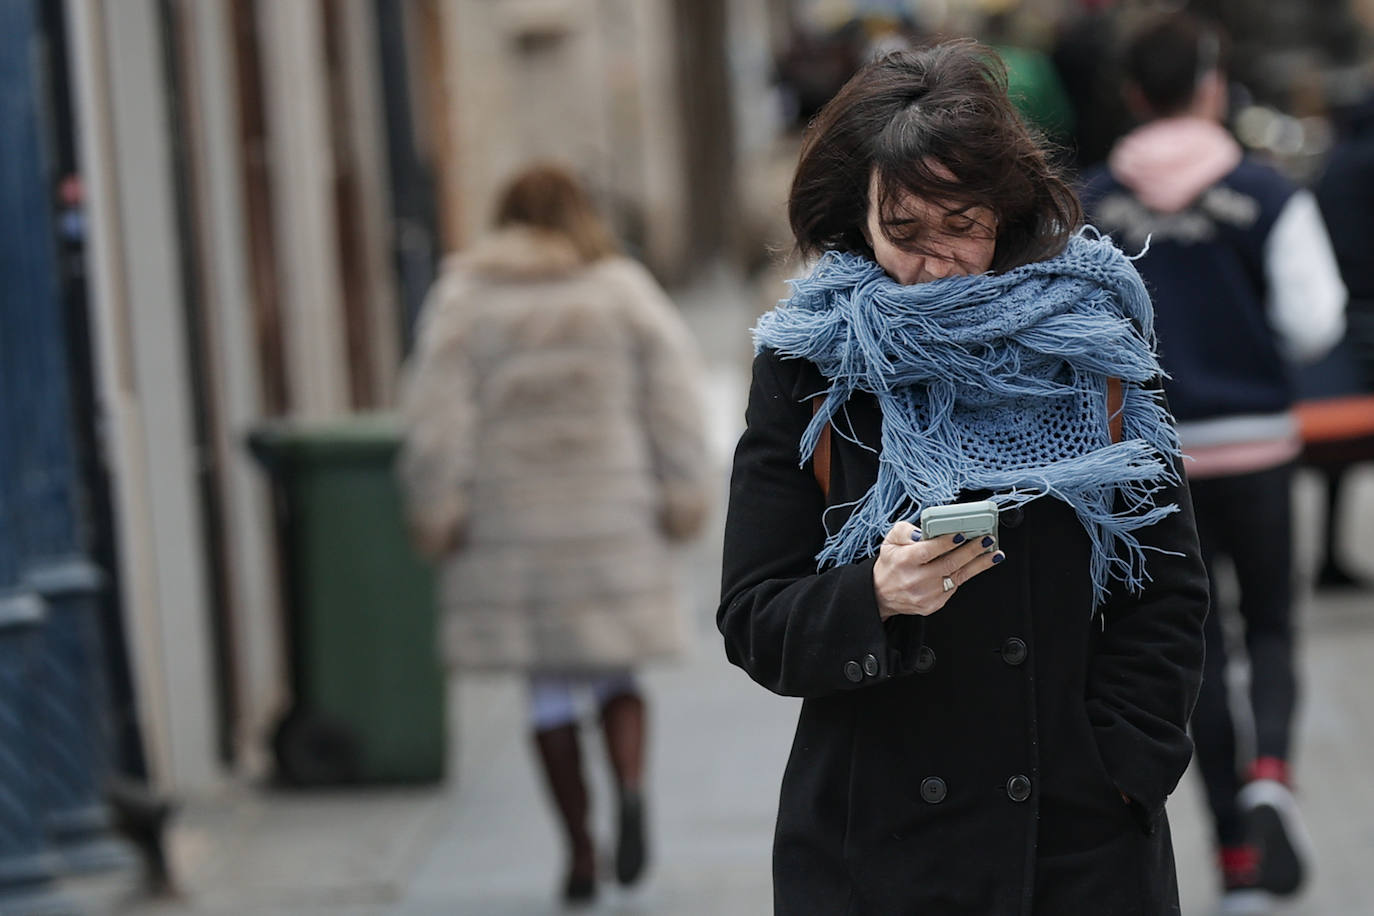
x=555, y=451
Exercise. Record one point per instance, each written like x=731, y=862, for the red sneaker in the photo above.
x=1240, y=875
x=1275, y=768
x=1239, y=866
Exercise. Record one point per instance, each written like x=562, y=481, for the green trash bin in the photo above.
x=360, y=611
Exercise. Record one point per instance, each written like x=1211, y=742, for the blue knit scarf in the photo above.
x=992, y=382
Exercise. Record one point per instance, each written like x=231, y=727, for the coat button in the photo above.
x=1018, y=788
x=1011, y=518
x=1014, y=651
x=871, y=665
x=925, y=659
x=933, y=789
x=853, y=671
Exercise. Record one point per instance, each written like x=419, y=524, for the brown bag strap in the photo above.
x=820, y=458
x=1114, y=401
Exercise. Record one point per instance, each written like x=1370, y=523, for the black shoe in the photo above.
x=1336, y=578
x=1276, y=829
x=630, y=851
x=579, y=890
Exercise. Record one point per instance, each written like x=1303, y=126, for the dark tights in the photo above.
x=623, y=726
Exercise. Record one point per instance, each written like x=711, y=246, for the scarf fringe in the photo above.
x=984, y=343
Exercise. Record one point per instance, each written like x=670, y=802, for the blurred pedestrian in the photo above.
x=1033, y=82
x=990, y=724
x=555, y=452
x=1085, y=58
x=1345, y=193
x=1245, y=286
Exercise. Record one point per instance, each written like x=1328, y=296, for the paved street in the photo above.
x=485, y=844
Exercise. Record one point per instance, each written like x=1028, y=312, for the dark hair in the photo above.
x=908, y=117
x=549, y=197
x=1167, y=57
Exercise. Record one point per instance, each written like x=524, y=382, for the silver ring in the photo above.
x=947, y=584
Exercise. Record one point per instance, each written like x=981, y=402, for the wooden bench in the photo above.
x=1337, y=432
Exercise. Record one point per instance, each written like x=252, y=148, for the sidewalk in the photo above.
x=485, y=843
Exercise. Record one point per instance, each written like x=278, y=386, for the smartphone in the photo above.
x=972, y=520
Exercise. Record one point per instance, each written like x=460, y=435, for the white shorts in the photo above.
x=554, y=698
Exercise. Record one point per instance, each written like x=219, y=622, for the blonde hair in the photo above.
x=549, y=197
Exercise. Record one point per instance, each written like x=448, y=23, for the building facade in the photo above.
x=265, y=191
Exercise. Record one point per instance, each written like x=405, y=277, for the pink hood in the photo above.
x=1169, y=162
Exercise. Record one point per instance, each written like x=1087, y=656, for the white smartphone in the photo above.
x=972, y=520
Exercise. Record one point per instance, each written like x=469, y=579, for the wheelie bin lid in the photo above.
x=365, y=435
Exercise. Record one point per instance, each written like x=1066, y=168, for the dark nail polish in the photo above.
x=998, y=557
x=915, y=536
x=987, y=541
x=958, y=539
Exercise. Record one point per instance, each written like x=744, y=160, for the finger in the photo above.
x=979, y=564
x=932, y=549
x=953, y=550
x=938, y=597
x=902, y=534
x=965, y=552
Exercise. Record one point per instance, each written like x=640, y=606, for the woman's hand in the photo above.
x=909, y=576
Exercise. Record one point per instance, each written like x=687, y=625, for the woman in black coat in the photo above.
x=989, y=726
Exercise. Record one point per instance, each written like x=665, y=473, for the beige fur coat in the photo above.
x=555, y=448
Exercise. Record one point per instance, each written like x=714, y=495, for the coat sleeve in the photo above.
x=793, y=630
x=438, y=455
x=670, y=383
x=1306, y=301
x=1144, y=674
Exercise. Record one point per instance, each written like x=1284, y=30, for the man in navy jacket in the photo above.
x=1245, y=287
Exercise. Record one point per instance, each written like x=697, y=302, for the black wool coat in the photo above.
x=972, y=761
